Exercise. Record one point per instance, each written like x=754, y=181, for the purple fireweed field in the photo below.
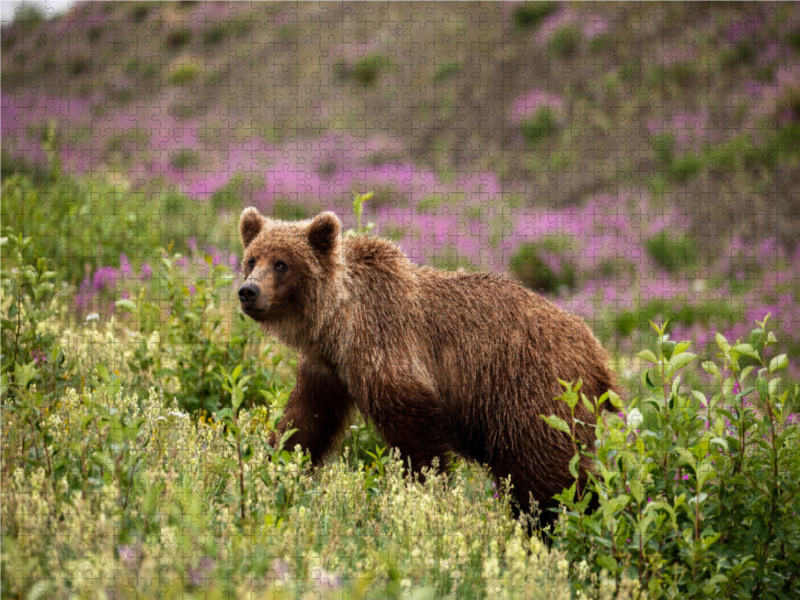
x=678, y=234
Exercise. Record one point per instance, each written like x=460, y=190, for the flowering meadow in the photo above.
x=636, y=164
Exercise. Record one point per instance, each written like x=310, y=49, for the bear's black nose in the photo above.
x=248, y=293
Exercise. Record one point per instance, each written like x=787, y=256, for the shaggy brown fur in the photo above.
x=440, y=362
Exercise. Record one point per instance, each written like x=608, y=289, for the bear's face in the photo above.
x=285, y=264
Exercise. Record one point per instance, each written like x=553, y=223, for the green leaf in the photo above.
x=722, y=342
x=237, y=397
x=237, y=371
x=125, y=304
x=746, y=350
x=779, y=362
x=700, y=397
x=573, y=465
x=681, y=347
x=637, y=489
x=686, y=457
x=705, y=472
x=762, y=387
x=678, y=361
x=557, y=423
x=589, y=406
x=653, y=506
x=644, y=524
x=102, y=371
x=23, y=375
x=616, y=401
x=615, y=504
x=607, y=562
x=648, y=356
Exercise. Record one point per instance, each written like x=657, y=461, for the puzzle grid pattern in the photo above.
x=572, y=147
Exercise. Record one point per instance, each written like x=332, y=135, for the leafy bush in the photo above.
x=539, y=126
x=61, y=217
x=698, y=495
x=367, y=69
x=162, y=505
x=26, y=301
x=446, y=69
x=674, y=253
x=531, y=14
x=529, y=268
x=184, y=74
x=564, y=41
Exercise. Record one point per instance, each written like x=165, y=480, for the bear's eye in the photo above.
x=251, y=264
x=281, y=267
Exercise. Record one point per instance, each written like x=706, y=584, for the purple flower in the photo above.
x=124, y=265
x=147, y=272
x=103, y=276
x=128, y=554
x=200, y=574
x=38, y=356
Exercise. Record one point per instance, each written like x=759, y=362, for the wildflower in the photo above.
x=128, y=554
x=326, y=579
x=147, y=272
x=124, y=265
x=92, y=317
x=198, y=575
x=281, y=568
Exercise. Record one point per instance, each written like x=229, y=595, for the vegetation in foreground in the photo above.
x=112, y=488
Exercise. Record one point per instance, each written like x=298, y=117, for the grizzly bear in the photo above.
x=440, y=362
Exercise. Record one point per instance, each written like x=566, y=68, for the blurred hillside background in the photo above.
x=633, y=161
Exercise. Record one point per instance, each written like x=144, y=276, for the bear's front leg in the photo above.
x=318, y=407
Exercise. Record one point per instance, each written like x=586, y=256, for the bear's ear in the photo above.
x=250, y=225
x=323, y=232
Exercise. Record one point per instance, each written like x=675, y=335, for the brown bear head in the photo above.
x=287, y=267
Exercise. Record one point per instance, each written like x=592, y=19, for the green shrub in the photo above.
x=27, y=293
x=185, y=157
x=446, y=70
x=540, y=126
x=531, y=14
x=564, y=41
x=367, y=69
x=698, y=495
x=178, y=38
x=184, y=74
x=673, y=252
x=536, y=274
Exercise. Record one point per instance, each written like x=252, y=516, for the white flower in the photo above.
x=635, y=418
x=175, y=413
x=92, y=317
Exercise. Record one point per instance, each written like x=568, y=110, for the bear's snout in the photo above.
x=248, y=293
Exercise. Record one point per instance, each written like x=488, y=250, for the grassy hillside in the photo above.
x=692, y=105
